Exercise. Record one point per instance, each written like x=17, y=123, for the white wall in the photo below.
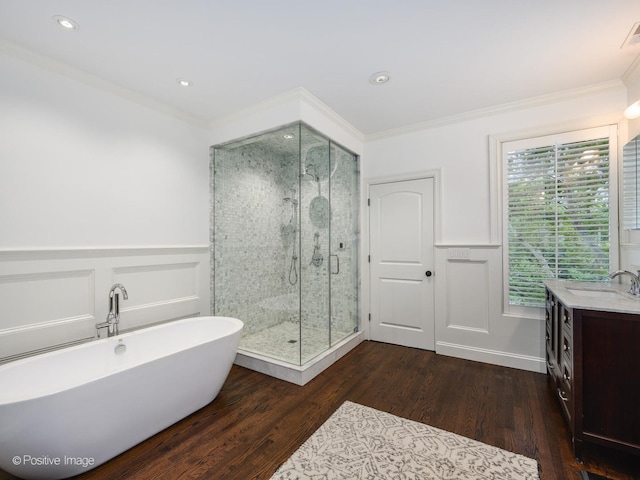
x=91, y=184
x=468, y=303
x=82, y=167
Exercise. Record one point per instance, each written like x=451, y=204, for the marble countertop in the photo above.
x=604, y=297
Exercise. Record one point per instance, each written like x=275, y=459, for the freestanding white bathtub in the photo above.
x=67, y=411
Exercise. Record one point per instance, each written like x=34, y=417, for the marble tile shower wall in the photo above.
x=251, y=253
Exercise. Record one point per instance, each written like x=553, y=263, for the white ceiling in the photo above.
x=446, y=57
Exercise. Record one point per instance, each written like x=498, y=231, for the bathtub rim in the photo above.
x=237, y=326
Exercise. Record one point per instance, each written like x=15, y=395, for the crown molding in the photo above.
x=499, y=109
x=257, y=108
x=93, y=81
x=633, y=72
x=300, y=96
x=329, y=113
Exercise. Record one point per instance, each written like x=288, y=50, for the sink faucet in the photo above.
x=635, y=281
x=113, y=317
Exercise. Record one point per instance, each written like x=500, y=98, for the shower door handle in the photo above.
x=337, y=265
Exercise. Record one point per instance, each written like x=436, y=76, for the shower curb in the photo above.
x=300, y=375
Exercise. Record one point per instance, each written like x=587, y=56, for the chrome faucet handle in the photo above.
x=106, y=324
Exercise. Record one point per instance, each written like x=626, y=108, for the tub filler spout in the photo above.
x=113, y=317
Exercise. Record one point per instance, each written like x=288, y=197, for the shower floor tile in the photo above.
x=282, y=342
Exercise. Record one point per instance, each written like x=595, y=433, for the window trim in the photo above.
x=498, y=197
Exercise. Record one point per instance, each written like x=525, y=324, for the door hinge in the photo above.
x=368, y=202
x=369, y=258
x=369, y=317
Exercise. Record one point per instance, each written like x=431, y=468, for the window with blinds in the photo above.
x=558, y=214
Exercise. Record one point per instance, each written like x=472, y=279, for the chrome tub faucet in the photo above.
x=113, y=317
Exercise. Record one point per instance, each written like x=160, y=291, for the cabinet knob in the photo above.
x=563, y=396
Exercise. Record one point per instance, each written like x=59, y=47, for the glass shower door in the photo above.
x=255, y=241
x=315, y=180
x=345, y=200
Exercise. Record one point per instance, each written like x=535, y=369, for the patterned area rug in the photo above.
x=361, y=443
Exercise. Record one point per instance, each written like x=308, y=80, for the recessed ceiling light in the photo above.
x=288, y=136
x=379, y=78
x=66, y=22
x=184, y=83
x=632, y=111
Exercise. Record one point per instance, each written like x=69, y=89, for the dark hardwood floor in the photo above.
x=257, y=422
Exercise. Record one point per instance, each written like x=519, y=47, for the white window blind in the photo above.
x=558, y=214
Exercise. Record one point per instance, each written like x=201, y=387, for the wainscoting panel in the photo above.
x=53, y=298
x=47, y=297
x=170, y=291
x=170, y=282
x=470, y=322
x=468, y=295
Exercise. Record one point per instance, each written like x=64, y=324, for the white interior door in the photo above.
x=401, y=249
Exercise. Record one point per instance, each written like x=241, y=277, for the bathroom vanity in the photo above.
x=593, y=361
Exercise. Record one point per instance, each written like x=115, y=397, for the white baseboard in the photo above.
x=505, y=359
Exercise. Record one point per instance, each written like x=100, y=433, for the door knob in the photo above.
x=428, y=273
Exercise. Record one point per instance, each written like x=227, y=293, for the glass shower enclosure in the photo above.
x=284, y=241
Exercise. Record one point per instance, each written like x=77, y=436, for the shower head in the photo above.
x=292, y=200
